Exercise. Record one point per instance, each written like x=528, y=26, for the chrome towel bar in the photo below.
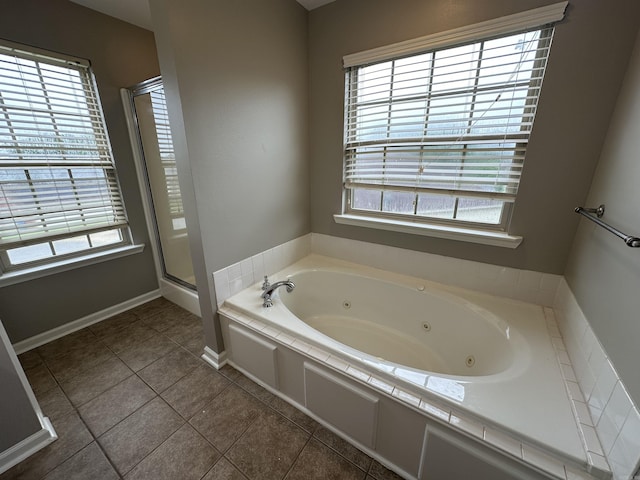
x=586, y=212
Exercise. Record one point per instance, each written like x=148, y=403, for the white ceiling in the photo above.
x=137, y=11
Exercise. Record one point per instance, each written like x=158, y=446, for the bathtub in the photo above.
x=484, y=358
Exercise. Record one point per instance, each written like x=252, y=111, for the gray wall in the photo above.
x=588, y=59
x=602, y=272
x=121, y=55
x=235, y=74
x=17, y=416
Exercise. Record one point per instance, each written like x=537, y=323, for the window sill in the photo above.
x=19, y=276
x=484, y=237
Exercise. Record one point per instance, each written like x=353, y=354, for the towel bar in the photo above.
x=586, y=212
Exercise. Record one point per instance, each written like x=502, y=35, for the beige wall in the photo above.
x=236, y=80
x=121, y=55
x=603, y=273
x=588, y=59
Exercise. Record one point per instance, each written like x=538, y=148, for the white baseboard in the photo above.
x=28, y=446
x=55, y=333
x=216, y=360
x=181, y=296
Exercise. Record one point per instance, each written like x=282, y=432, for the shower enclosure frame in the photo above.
x=171, y=287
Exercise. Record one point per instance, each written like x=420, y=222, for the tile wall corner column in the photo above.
x=615, y=418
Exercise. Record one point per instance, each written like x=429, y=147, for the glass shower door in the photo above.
x=150, y=110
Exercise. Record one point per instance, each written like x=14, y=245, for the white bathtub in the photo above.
x=485, y=356
x=405, y=325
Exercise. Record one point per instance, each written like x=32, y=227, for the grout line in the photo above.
x=222, y=457
x=75, y=408
x=99, y=445
x=232, y=379
x=124, y=418
x=339, y=453
x=295, y=461
x=159, y=445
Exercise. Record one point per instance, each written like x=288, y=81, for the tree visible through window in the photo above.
x=59, y=194
x=441, y=135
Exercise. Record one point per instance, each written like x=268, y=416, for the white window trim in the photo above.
x=20, y=272
x=499, y=26
x=449, y=232
x=24, y=275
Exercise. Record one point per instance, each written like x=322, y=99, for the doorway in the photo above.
x=149, y=129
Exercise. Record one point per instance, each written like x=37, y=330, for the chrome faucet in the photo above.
x=268, y=291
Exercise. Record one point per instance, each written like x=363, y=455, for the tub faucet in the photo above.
x=268, y=292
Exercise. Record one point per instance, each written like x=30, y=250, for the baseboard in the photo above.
x=28, y=446
x=216, y=360
x=55, y=333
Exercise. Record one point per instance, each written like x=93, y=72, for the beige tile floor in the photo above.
x=130, y=398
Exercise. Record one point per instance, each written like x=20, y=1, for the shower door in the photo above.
x=159, y=172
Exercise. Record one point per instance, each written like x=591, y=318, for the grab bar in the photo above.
x=586, y=212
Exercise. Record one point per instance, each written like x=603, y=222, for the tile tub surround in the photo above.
x=583, y=361
x=496, y=425
x=525, y=285
x=230, y=280
x=603, y=403
x=128, y=430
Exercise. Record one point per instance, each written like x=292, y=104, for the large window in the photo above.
x=59, y=195
x=440, y=136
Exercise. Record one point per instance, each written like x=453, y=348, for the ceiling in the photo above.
x=137, y=11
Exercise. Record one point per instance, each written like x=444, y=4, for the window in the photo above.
x=59, y=195
x=167, y=160
x=439, y=135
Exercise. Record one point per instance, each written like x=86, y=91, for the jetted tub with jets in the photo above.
x=471, y=355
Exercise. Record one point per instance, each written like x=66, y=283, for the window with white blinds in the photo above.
x=58, y=188
x=167, y=158
x=441, y=134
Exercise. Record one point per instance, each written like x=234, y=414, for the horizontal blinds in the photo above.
x=451, y=120
x=167, y=154
x=57, y=177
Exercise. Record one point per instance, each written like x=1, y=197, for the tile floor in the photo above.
x=130, y=398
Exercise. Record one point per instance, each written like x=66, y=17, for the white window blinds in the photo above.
x=454, y=119
x=167, y=154
x=57, y=176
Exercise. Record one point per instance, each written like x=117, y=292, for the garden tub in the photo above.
x=480, y=355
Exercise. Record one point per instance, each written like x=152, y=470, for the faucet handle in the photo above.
x=266, y=283
x=267, y=302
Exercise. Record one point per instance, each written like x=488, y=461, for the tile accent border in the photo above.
x=590, y=441
x=602, y=404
